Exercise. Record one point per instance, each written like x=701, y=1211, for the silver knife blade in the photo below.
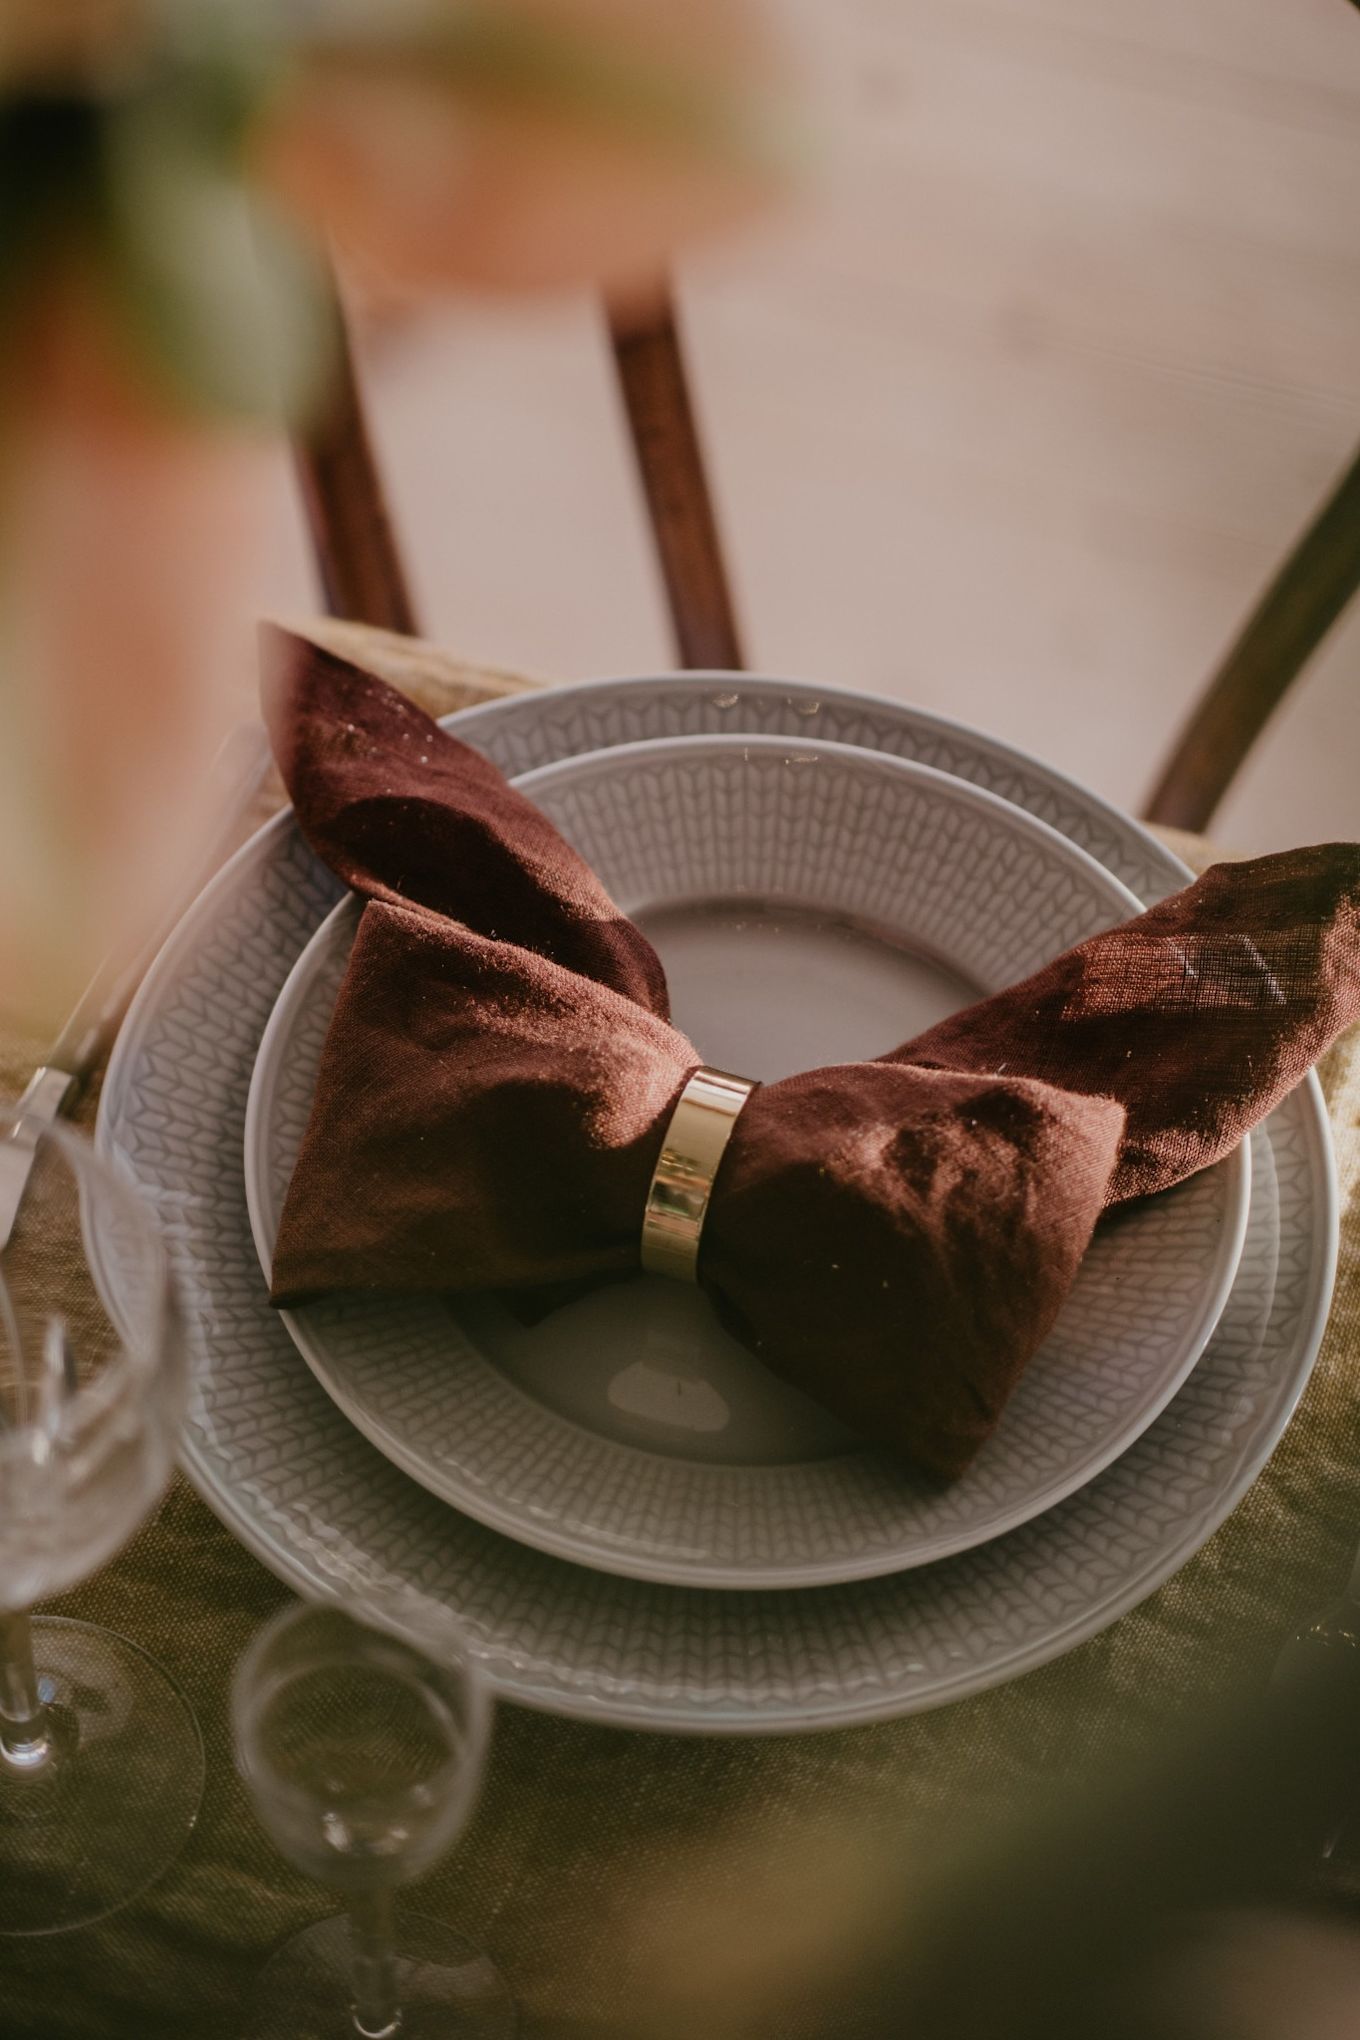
x=44, y=1098
x=235, y=778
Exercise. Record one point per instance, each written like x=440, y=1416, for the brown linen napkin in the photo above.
x=896, y=1237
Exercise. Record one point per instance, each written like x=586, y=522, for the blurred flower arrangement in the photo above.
x=171, y=174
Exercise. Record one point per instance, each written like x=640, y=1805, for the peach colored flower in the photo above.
x=544, y=143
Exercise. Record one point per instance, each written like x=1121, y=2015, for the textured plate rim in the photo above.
x=809, y=1715
x=457, y=1488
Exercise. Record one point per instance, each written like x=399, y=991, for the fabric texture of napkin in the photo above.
x=895, y=1237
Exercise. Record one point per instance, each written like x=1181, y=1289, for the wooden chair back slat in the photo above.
x=670, y=461
x=1289, y=622
x=362, y=576
x=364, y=580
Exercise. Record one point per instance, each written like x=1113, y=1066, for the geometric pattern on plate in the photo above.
x=294, y=1480
x=936, y=866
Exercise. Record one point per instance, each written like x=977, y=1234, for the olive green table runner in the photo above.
x=633, y=1884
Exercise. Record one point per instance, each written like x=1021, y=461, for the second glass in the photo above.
x=362, y=1744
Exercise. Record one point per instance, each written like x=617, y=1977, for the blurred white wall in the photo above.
x=1013, y=417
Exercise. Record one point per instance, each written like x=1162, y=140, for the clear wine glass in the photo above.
x=101, y=1763
x=361, y=1738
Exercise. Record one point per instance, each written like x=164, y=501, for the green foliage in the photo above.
x=220, y=299
x=221, y=295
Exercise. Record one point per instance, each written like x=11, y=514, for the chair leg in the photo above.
x=362, y=576
x=1290, y=621
x=670, y=460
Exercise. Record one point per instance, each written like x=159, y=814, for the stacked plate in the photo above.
x=635, y=1523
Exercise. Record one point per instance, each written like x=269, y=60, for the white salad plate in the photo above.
x=298, y=1484
x=812, y=904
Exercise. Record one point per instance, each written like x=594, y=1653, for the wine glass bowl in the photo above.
x=82, y=1461
x=360, y=1753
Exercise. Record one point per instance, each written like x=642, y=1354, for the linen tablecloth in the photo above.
x=605, y=1869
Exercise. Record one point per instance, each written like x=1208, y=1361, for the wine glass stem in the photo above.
x=24, y=1741
x=373, y=1965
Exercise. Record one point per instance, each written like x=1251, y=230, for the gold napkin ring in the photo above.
x=677, y=1202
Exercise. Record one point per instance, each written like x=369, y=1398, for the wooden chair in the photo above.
x=364, y=581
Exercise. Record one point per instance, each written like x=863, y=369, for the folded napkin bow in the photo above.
x=896, y=1237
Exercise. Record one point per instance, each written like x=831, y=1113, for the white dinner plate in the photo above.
x=297, y=1483
x=812, y=904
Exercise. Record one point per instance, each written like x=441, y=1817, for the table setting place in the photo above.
x=695, y=1204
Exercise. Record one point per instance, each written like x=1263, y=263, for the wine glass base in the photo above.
x=85, y=1831
x=447, y=1988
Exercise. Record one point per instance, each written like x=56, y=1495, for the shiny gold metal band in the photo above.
x=677, y=1202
